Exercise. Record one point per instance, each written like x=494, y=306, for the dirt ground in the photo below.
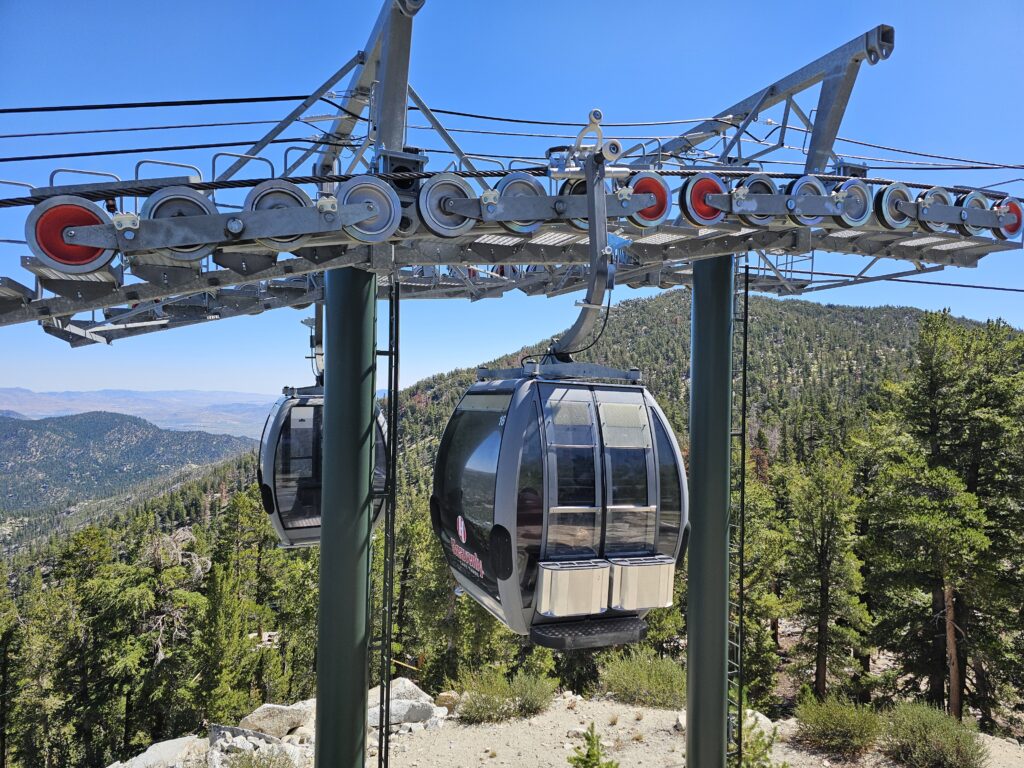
x=633, y=736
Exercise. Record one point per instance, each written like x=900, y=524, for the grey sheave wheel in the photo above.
x=974, y=200
x=575, y=187
x=805, y=186
x=933, y=196
x=886, y=202
x=758, y=184
x=519, y=184
x=275, y=194
x=856, y=204
x=174, y=202
x=433, y=194
x=388, y=210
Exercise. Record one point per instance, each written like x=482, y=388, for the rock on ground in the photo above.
x=680, y=724
x=447, y=699
x=278, y=720
x=186, y=752
x=403, y=712
x=409, y=704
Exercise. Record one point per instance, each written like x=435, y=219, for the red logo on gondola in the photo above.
x=460, y=525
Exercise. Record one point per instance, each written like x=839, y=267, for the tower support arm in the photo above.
x=292, y=116
x=356, y=100
x=837, y=70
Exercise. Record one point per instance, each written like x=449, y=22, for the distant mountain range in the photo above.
x=221, y=413
x=59, y=461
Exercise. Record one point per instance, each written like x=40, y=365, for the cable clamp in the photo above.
x=327, y=204
x=123, y=221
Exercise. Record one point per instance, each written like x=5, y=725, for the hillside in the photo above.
x=221, y=413
x=169, y=607
x=814, y=369
x=59, y=461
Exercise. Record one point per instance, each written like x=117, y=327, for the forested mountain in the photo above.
x=814, y=370
x=885, y=511
x=56, y=462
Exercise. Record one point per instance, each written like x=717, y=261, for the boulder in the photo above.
x=297, y=756
x=186, y=752
x=222, y=734
x=300, y=735
x=403, y=711
x=759, y=721
x=680, y=724
x=404, y=689
x=238, y=744
x=447, y=699
x=276, y=719
x=786, y=729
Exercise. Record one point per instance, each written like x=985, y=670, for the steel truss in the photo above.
x=148, y=286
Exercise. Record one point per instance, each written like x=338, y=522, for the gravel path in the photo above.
x=634, y=736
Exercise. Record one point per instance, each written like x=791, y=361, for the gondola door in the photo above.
x=631, y=511
x=297, y=471
x=574, y=521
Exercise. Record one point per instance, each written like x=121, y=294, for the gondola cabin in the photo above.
x=561, y=507
x=290, y=468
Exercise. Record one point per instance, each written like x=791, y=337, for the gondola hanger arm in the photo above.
x=593, y=159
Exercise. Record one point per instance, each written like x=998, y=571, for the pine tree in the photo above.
x=767, y=542
x=9, y=625
x=825, y=578
x=44, y=737
x=224, y=694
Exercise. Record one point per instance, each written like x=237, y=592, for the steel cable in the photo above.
x=146, y=104
x=142, y=190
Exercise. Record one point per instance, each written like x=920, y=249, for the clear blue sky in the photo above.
x=951, y=87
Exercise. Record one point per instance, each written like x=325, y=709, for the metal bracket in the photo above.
x=955, y=214
x=560, y=207
x=777, y=205
x=225, y=228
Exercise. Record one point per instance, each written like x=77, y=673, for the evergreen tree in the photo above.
x=825, y=578
x=9, y=624
x=224, y=652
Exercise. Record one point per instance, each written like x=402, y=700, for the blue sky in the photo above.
x=949, y=88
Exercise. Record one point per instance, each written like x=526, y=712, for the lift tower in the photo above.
x=350, y=299
x=179, y=260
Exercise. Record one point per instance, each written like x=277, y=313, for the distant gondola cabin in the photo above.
x=290, y=467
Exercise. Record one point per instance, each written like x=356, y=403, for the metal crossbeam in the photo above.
x=552, y=261
x=836, y=71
